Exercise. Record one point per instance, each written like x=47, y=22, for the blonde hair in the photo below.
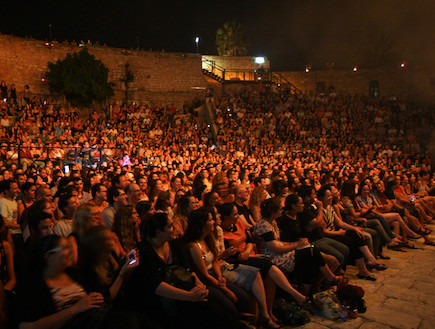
x=82, y=219
x=219, y=178
x=257, y=196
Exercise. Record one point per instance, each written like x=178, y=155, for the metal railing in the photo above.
x=229, y=74
x=86, y=156
x=282, y=81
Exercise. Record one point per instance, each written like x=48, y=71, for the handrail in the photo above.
x=225, y=73
x=213, y=64
x=278, y=79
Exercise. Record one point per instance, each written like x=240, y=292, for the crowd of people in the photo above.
x=136, y=218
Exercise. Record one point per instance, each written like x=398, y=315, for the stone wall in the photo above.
x=175, y=77
x=159, y=77
x=410, y=84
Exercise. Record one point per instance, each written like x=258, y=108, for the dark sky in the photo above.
x=291, y=33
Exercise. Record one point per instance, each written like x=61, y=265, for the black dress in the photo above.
x=141, y=296
x=307, y=260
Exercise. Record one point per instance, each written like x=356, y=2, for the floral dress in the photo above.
x=265, y=232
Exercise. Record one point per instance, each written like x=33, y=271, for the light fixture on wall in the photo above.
x=259, y=60
x=197, y=44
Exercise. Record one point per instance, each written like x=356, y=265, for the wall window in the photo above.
x=374, y=89
x=320, y=87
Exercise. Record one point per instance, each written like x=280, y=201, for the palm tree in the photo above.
x=230, y=40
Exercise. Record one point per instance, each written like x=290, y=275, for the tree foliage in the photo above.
x=379, y=50
x=230, y=40
x=80, y=77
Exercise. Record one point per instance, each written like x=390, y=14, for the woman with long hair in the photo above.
x=349, y=235
x=99, y=269
x=242, y=250
x=385, y=208
x=85, y=217
x=258, y=195
x=203, y=252
x=163, y=203
x=245, y=276
x=154, y=187
x=184, y=304
x=145, y=210
x=186, y=205
x=126, y=230
x=221, y=186
x=51, y=298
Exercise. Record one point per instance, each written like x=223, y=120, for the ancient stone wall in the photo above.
x=158, y=76
x=410, y=84
x=175, y=77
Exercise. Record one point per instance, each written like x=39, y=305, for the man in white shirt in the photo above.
x=9, y=211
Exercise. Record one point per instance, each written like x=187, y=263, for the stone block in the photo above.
x=427, y=324
x=423, y=310
x=374, y=325
x=311, y=325
x=349, y=324
x=392, y=318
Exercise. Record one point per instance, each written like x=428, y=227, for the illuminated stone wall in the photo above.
x=159, y=77
x=236, y=67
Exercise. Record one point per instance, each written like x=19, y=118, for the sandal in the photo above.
x=366, y=277
x=396, y=248
x=429, y=243
x=379, y=267
x=424, y=231
x=414, y=238
x=268, y=323
x=382, y=256
x=409, y=245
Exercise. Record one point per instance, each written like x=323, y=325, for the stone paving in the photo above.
x=402, y=297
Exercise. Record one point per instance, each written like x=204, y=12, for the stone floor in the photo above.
x=402, y=297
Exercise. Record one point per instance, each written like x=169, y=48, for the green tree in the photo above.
x=80, y=77
x=230, y=40
x=379, y=50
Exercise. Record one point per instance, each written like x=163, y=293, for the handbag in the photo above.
x=178, y=277
x=353, y=296
x=328, y=303
x=289, y=313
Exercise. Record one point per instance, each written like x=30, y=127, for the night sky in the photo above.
x=290, y=33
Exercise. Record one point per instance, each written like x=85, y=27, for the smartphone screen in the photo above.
x=131, y=257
